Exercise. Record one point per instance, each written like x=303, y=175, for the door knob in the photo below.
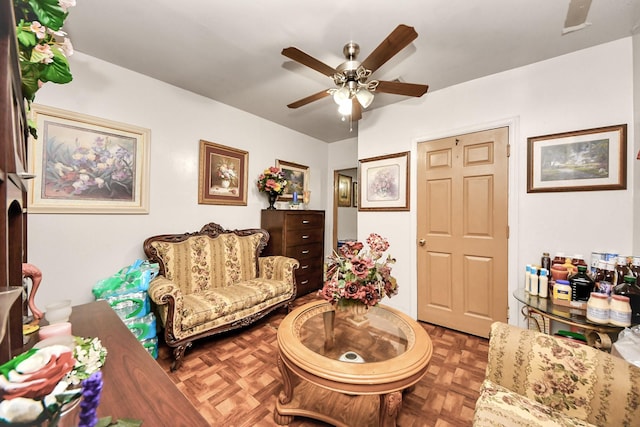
x=422, y=242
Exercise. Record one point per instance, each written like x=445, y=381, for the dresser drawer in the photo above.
x=304, y=252
x=308, y=279
x=302, y=221
x=304, y=236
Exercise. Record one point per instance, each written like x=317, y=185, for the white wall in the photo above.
x=582, y=90
x=75, y=251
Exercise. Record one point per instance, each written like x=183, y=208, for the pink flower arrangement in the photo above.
x=358, y=274
x=272, y=181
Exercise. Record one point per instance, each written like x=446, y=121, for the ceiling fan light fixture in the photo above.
x=345, y=108
x=342, y=95
x=365, y=98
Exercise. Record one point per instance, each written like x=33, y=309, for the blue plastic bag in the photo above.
x=133, y=278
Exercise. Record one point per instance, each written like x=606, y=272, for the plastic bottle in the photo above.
x=545, y=261
x=543, y=283
x=606, y=284
x=620, y=311
x=598, y=308
x=631, y=290
x=621, y=270
x=527, y=279
x=635, y=266
x=581, y=285
x=533, y=281
x=562, y=290
x=559, y=258
x=598, y=275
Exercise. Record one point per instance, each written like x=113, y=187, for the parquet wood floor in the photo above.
x=233, y=381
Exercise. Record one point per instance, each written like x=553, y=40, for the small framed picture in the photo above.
x=297, y=177
x=344, y=191
x=584, y=160
x=354, y=194
x=384, y=183
x=223, y=175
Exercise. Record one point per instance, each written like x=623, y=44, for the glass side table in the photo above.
x=537, y=309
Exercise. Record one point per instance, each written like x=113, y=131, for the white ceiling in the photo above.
x=230, y=50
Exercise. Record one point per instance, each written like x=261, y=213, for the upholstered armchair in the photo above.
x=534, y=379
x=214, y=280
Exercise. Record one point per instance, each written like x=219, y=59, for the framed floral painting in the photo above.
x=223, y=175
x=384, y=183
x=85, y=164
x=297, y=177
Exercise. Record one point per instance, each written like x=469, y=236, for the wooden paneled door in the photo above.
x=462, y=228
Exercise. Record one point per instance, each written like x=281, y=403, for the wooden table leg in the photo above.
x=285, y=395
x=390, y=405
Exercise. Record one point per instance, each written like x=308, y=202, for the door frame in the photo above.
x=517, y=152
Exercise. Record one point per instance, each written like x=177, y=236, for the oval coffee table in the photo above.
x=347, y=373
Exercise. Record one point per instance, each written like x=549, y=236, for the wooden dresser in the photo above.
x=299, y=235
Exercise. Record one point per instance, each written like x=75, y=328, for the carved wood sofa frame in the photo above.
x=213, y=230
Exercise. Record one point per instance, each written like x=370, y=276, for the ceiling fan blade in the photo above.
x=309, y=99
x=394, y=43
x=356, y=110
x=400, y=88
x=577, y=13
x=308, y=60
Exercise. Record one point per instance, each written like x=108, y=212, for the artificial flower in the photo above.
x=272, y=181
x=357, y=274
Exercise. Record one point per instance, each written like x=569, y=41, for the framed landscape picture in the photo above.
x=297, y=177
x=384, y=183
x=585, y=160
x=222, y=178
x=85, y=164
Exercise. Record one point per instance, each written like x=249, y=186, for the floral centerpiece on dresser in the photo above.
x=360, y=277
x=272, y=182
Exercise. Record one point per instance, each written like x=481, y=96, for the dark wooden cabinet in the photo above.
x=13, y=137
x=299, y=235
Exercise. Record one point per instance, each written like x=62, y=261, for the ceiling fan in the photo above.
x=354, y=90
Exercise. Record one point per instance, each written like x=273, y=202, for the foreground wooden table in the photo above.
x=135, y=386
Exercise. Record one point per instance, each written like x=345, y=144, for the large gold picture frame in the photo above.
x=222, y=178
x=86, y=164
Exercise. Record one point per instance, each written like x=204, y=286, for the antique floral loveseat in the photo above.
x=534, y=379
x=214, y=280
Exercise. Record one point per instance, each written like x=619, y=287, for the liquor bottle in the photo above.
x=581, y=285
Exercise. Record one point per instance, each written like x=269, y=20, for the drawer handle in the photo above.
x=304, y=267
x=305, y=236
x=305, y=221
x=304, y=282
x=306, y=251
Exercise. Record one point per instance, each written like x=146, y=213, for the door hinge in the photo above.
x=507, y=313
x=508, y=231
x=508, y=150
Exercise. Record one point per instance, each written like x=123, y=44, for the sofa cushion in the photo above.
x=201, y=263
x=498, y=406
x=209, y=305
x=569, y=377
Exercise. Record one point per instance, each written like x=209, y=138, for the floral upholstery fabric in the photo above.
x=214, y=282
x=534, y=378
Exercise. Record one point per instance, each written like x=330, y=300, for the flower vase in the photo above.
x=272, y=200
x=357, y=313
x=226, y=183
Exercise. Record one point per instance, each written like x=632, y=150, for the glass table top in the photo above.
x=546, y=305
x=384, y=336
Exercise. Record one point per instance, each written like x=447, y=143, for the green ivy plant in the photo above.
x=43, y=46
